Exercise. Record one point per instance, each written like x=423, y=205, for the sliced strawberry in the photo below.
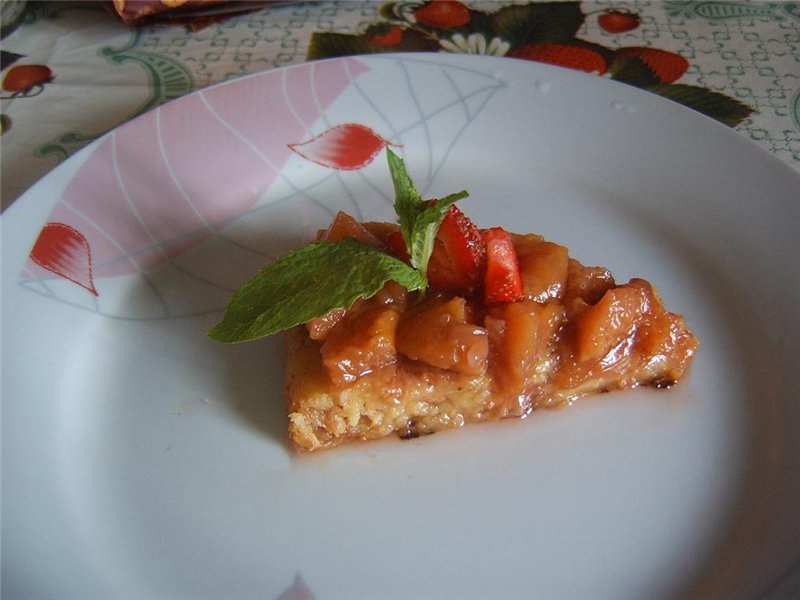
x=458, y=258
x=503, y=282
x=397, y=245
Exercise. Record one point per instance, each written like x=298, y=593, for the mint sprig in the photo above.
x=309, y=283
x=419, y=219
x=313, y=280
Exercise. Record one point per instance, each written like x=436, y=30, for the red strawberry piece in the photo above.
x=442, y=14
x=385, y=36
x=562, y=55
x=397, y=246
x=23, y=78
x=667, y=66
x=457, y=262
x=503, y=282
x=615, y=21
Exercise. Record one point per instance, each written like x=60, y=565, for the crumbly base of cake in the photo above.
x=411, y=399
x=408, y=399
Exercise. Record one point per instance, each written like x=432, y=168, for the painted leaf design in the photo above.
x=63, y=250
x=151, y=189
x=348, y=146
x=159, y=209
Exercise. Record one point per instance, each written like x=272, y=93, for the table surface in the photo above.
x=72, y=71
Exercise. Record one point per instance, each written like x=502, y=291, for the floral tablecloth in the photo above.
x=71, y=71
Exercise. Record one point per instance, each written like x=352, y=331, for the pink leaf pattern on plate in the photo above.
x=174, y=205
x=63, y=250
x=298, y=591
x=348, y=146
x=178, y=175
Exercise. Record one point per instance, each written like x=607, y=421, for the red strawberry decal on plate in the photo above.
x=616, y=21
x=667, y=66
x=298, y=591
x=348, y=146
x=563, y=55
x=64, y=251
x=443, y=14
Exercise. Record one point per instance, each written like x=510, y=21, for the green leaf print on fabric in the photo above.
x=168, y=78
x=713, y=104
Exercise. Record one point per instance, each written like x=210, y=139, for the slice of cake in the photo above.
x=411, y=365
x=433, y=323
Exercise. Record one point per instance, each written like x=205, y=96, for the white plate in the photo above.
x=142, y=460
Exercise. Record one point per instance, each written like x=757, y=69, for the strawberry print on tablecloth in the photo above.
x=21, y=81
x=545, y=32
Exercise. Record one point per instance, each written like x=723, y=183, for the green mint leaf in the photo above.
x=308, y=283
x=419, y=219
x=407, y=200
